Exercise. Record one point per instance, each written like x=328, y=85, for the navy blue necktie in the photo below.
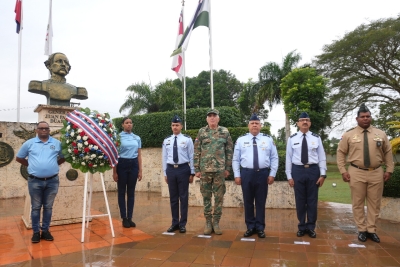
x=255, y=154
x=304, y=150
x=175, y=151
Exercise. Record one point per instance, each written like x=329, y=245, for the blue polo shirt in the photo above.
x=130, y=143
x=42, y=156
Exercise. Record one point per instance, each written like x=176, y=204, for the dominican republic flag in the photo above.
x=18, y=14
x=177, y=60
x=200, y=18
x=48, y=46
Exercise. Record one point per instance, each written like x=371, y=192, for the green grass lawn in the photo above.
x=340, y=193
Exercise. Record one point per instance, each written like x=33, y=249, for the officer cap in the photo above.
x=254, y=117
x=363, y=108
x=304, y=115
x=213, y=111
x=176, y=119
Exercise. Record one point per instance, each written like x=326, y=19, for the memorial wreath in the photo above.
x=89, y=141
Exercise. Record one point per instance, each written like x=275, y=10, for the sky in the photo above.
x=113, y=44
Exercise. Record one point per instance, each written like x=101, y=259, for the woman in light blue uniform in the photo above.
x=128, y=171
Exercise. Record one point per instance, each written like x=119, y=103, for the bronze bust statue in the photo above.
x=57, y=91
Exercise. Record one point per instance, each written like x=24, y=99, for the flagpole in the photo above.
x=19, y=65
x=211, y=61
x=184, y=69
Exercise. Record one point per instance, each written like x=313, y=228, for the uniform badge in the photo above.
x=356, y=138
x=377, y=138
x=312, y=143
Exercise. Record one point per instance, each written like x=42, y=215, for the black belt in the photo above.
x=306, y=165
x=364, y=169
x=256, y=170
x=178, y=165
x=44, y=178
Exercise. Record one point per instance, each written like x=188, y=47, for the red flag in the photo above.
x=18, y=11
x=177, y=62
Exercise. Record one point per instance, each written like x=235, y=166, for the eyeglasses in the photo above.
x=43, y=129
x=304, y=120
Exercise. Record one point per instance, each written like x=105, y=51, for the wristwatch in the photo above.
x=323, y=176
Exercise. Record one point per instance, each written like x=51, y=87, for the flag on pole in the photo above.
x=177, y=60
x=200, y=18
x=48, y=46
x=18, y=11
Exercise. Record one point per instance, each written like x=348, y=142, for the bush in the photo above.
x=392, y=187
x=281, y=174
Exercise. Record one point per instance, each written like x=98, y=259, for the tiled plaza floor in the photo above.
x=145, y=245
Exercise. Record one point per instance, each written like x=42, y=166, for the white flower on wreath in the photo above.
x=73, y=158
x=90, y=146
x=68, y=127
x=101, y=164
x=96, y=147
x=80, y=145
x=100, y=157
x=86, y=143
x=72, y=134
x=78, y=137
x=86, y=157
x=93, y=156
x=67, y=141
x=79, y=130
x=100, y=124
x=83, y=163
x=85, y=138
x=94, y=166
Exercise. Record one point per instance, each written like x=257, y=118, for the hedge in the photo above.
x=153, y=128
x=392, y=187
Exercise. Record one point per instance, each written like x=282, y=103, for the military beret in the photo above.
x=304, y=115
x=213, y=111
x=176, y=119
x=254, y=117
x=363, y=108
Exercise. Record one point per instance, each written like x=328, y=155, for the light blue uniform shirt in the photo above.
x=316, y=153
x=42, y=156
x=130, y=143
x=243, y=153
x=185, y=151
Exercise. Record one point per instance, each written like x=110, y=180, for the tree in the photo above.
x=247, y=103
x=304, y=90
x=270, y=77
x=363, y=67
x=226, y=89
x=386, y=114
x=143, y=98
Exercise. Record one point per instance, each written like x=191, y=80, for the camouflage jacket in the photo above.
x=213, y=150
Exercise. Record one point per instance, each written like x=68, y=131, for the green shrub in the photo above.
x=392, y=187
x=281, y=174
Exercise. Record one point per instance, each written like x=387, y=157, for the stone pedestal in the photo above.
x=68, y=204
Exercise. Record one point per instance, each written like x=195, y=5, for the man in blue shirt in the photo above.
x=177, y=162
x=255, y=163
x=44, y=155
x=306, y=172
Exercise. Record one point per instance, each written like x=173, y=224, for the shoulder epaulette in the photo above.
x=314, y=134
x=350, y=129
x=188, y=136
x=167, y=137
x=293, y=135
x=264, y=134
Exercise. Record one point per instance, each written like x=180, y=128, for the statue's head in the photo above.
x=58, y=64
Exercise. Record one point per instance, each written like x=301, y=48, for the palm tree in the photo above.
x=143, y=98
x=270, y=77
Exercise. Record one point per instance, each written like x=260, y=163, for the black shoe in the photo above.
x=182, y=229
x=311, y=233
x=374, y=237
x=261, y=233
x=125, y=223
x=46, y=236
x=131, y=224
x=173, y=228
x=300, y=233
x=362, y=236
x=249, y=232
x=36, y=237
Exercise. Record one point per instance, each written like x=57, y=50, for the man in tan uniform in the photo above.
x=366, y=148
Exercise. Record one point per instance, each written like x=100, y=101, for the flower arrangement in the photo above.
x=89, y=141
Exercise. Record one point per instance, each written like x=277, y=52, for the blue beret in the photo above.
x=254, y=117
x=176, y=119
x=304, y=115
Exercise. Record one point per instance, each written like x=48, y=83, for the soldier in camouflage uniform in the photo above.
x=213, y=149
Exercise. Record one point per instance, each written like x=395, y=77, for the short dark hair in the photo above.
x=358, y=113
x=37, y=124
x=126, y=118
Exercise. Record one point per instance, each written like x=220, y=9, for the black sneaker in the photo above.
x=47, y=236
x=131, y=223
x=125, y=223
x=36, y=237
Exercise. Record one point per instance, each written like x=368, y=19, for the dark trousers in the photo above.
x=255, y=189
x=306, y=194
x=127, y=170
x=178, y=185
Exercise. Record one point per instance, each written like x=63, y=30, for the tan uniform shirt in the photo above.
x=352, y=145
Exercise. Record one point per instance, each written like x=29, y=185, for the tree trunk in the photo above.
x=287, y=127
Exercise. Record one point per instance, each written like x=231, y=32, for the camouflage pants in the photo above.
x=213, y=182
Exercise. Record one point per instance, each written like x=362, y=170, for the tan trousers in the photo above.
x=366, y=185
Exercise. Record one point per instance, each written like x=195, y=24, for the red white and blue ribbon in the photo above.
x=96, y=133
